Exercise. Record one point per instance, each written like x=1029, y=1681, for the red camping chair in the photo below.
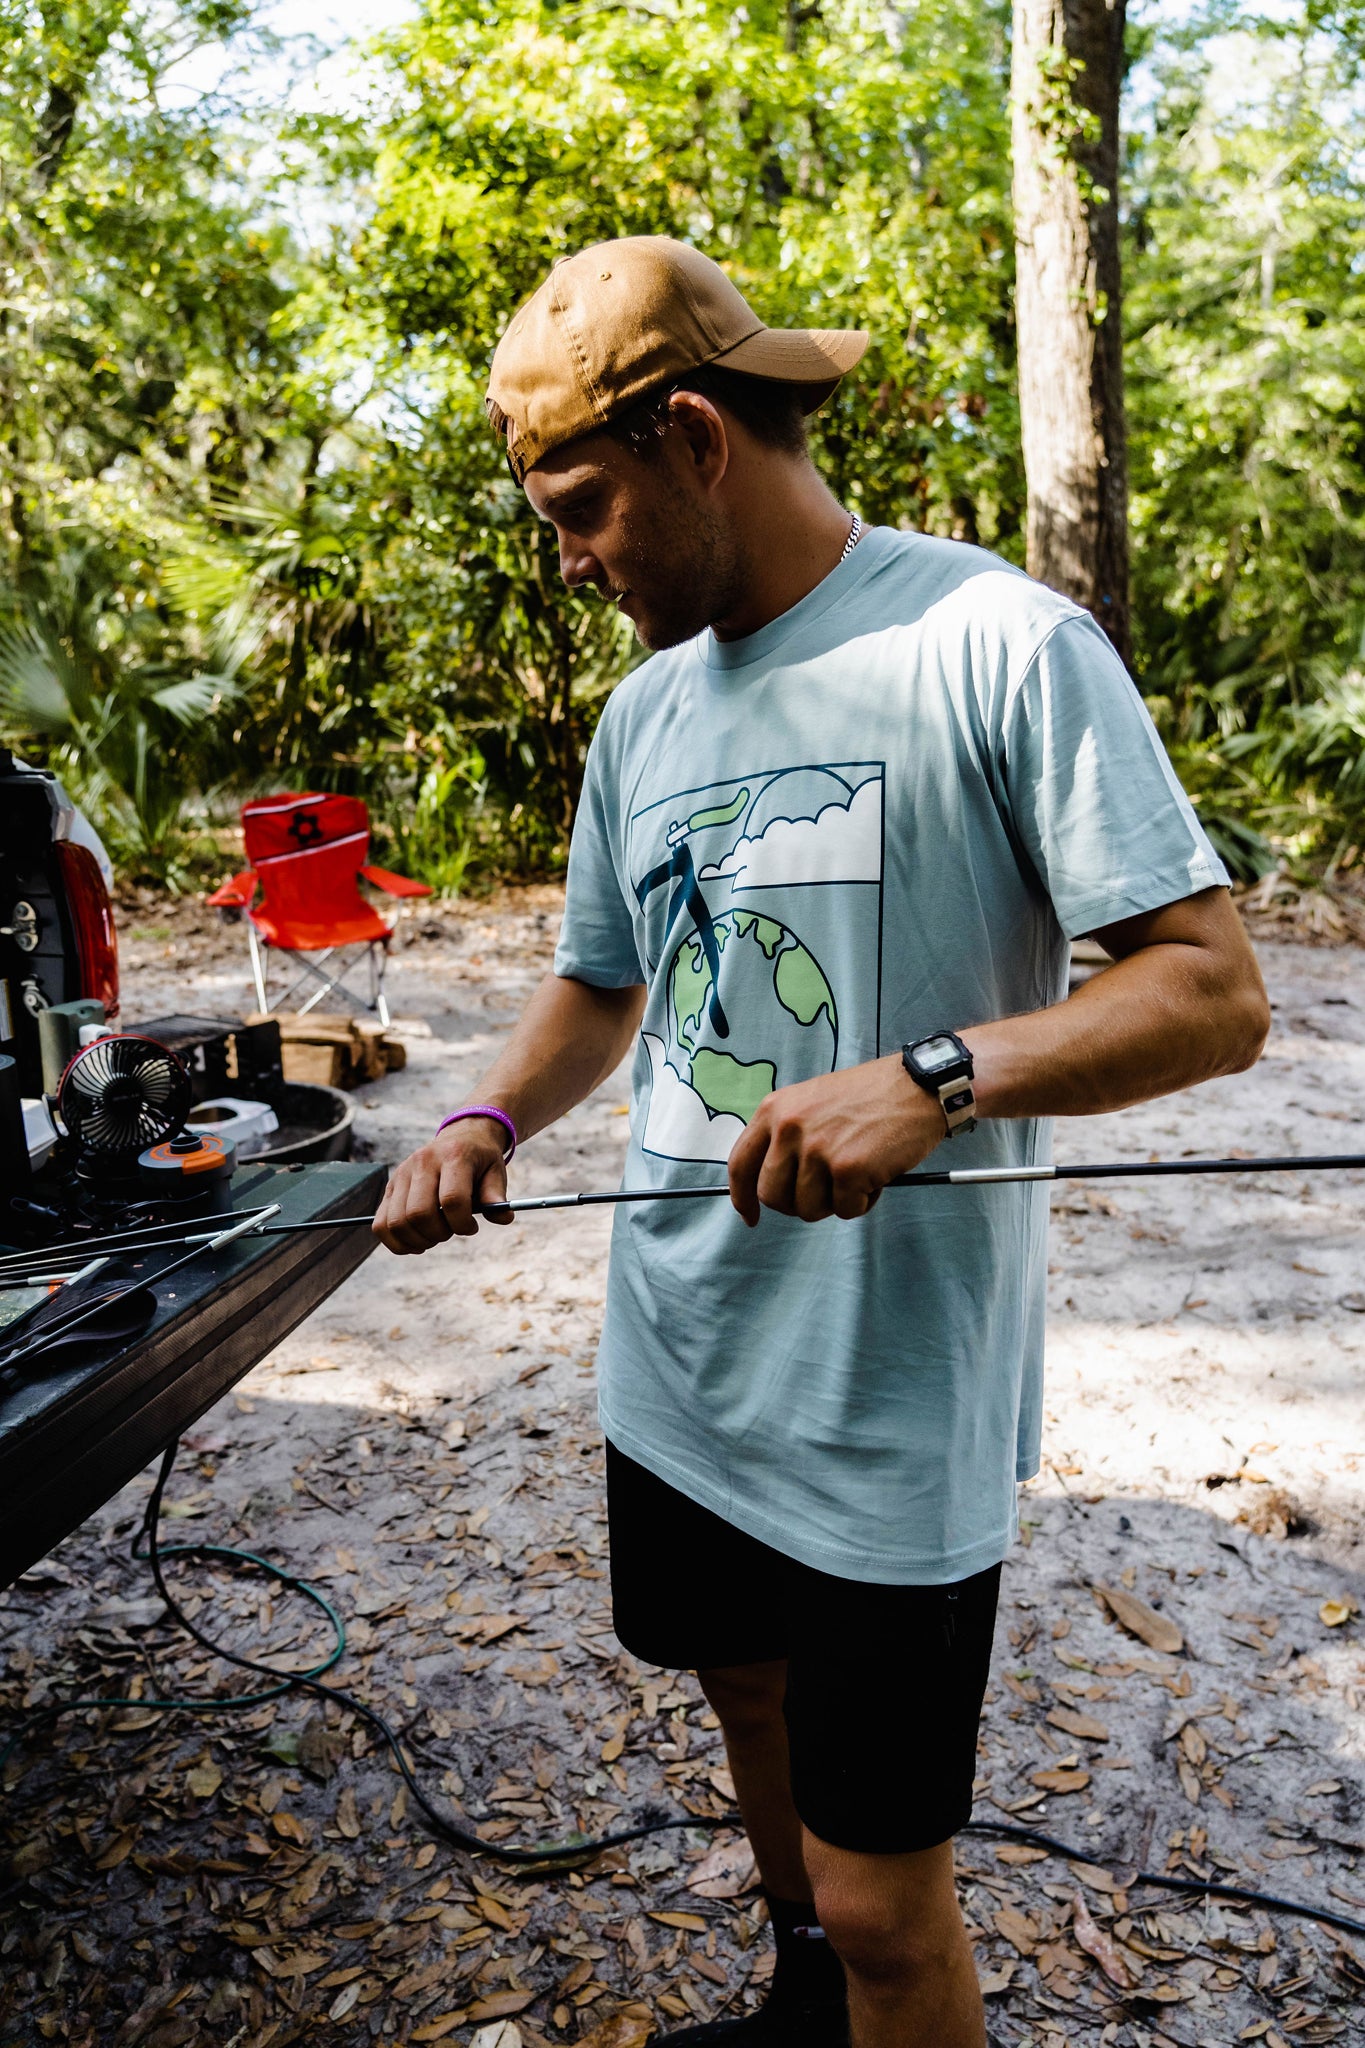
x=308, y=853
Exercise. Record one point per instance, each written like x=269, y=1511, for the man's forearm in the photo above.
x=569, y=1038
x=1185, y=1001
x=1177, y=1010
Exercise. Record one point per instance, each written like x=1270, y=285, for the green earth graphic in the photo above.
x=783, y=1025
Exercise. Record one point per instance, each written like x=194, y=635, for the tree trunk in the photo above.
x=1068, y=70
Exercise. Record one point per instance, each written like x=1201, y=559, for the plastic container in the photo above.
x=247, y=1124
x=314, y=1123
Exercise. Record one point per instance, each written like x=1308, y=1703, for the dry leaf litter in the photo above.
x=1179, y=1673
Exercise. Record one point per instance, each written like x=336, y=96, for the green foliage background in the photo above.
x=254, y=532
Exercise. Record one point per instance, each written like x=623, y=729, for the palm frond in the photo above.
x=37, y=687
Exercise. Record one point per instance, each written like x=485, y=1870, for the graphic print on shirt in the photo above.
x=762, y=896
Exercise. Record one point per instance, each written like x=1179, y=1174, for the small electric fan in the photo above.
x=120, y=1095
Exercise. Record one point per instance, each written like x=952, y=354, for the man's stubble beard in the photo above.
x=690, y=571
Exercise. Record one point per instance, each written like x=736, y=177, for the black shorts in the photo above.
x=884, y=1683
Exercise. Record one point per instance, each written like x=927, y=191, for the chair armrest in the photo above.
x=235, y=894
x=395, y=885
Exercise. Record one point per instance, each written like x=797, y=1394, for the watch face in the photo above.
x=935, y=1054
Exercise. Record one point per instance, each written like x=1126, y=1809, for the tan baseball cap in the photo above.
x=618, y=320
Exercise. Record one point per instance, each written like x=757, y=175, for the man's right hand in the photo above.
x=435, y=1193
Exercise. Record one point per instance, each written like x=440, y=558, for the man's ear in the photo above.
x=704, y=433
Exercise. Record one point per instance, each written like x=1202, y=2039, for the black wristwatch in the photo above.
x=942, y=1066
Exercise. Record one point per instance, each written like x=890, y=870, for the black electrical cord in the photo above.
x=574, y=1848
x=541, y=1855
x=1197, y=1887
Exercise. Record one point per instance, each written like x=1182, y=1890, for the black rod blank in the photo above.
x=19, y=1263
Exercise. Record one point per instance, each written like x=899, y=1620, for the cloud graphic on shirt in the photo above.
x=842, y=844
x=677, y=1123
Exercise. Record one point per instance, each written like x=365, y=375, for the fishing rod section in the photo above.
x=191, y=1231
x=56, y=1332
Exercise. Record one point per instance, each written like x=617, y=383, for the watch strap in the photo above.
x=955, y=1091
x=957, y=1099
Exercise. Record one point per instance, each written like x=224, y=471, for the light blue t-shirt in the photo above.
x=884, y=814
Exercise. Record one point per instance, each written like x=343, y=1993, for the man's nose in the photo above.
x=577, y=564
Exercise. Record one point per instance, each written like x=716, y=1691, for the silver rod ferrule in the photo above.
x=973, y=1176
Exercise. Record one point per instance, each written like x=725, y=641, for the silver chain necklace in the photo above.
x=855, y=534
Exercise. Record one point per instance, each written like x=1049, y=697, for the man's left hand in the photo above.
x=828, y=1147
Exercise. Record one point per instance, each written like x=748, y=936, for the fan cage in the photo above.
x=122, y=1094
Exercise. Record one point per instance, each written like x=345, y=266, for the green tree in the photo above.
x=844, y=176
x=1246, y=363
x=146, y=362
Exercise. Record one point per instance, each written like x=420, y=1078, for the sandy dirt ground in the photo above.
x=1179, y=1675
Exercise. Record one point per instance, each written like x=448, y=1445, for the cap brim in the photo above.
x=816, y=357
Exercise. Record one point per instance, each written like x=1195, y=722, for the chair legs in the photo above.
x=258, y=967
x=313, y=968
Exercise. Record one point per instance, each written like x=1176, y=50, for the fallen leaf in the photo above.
x=348, y=1820
x=114, y=1852
x=1189, y=1782
x=1158, y=1631
x=490, y=1628
x=204, y=1780
x=692, y=1921
x=344, y=2000
x=996, y=1981
x=292, y=1828
x=300, y=1965
x=1334, y=1613
x=1097, y=1879
x=502, y=2034
x=622, y=2030
x=1060, y=1781
x=316, y=1748
x=1072, y=1722
x=1018, y=1852
x=496, y=1913
x=437, y=2029
x=501, y=2003
x=726, y=1872
x=612, y=1749
x=33, y=1856
x=574, y=1979
x=1098, y=1945
x=1017, y=1928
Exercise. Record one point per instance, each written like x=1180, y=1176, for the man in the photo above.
x=867, y=789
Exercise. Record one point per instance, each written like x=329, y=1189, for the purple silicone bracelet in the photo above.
x=499, y=1116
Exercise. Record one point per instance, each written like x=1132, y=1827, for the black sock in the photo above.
x=807, y=1971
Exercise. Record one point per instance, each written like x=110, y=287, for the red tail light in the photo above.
x=93, y=919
